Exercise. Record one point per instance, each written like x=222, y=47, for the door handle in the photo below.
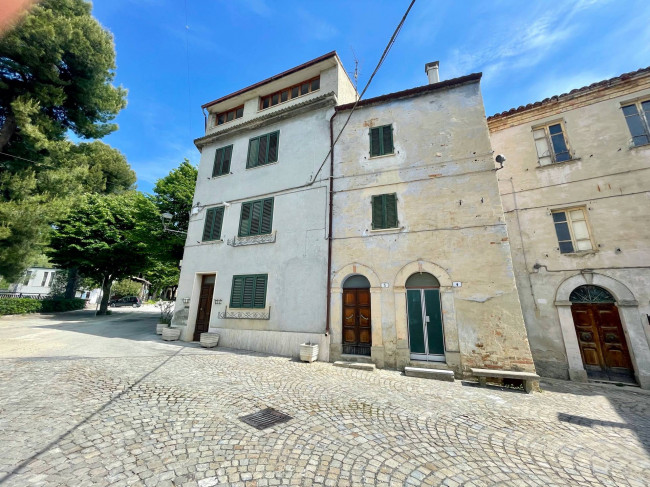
x=426, y=319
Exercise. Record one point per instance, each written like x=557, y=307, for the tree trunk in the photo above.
x=7, y=131
x=73, y=282
x=106, y=295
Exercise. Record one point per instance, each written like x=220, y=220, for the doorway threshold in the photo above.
x=423, y=364
x=613, y=383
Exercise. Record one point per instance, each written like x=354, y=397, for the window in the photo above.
x=263, y=150
x=229, y=116
x=213, y=223
x=45, y=274
x=290, y=93
x=256, y=217
x=637, y=116
x=248, y=291
x=28, y=276
x=384, y=211
x=381, y=140
x=547, y=137
x=222, y=161
x=572, y=230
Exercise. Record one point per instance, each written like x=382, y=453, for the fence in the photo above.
x=24, y=295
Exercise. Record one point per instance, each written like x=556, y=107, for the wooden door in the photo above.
x=602, y=343
x=357, y=333
x=205, y=306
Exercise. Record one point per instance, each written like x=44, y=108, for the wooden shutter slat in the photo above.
x=218, y=222
x=377, y=212
x=209, y=224
x=263, y=152
x=248, y=291
x=244, y=220
x=260, y=292
x=225, y=163
x=387, y=139
x=256, y=217
x=374, y=142
x=273, y=147
x=216, y=168
x=391, y=210
x=236, y=294
x=267, y=216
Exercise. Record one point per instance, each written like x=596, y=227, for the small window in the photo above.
x=248, y=291
x=551, y=144
x=637, y=116
x=229, y=116
x=384, y=211
x=290, y=93
x=256, y=218
x=28, y=276
x=213, y=224
x=572, y=230
x=381, y=140
x=263, y=150
x=222, y=161
x=44, y=281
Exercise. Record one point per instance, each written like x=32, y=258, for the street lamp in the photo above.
x=166, y=219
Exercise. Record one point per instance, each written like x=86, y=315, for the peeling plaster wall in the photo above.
x=450, y=215
x=607, y=177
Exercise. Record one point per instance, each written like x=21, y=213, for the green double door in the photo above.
x=426, y=338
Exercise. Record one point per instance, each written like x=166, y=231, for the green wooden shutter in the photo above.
x=225, y=161
x=374, y=142
x=218, y=157
x=248, y=292
x=253, y=151
x=209, y=224
x=267, y=216
x=263, y=153
x=218, y=222
x=387, y=139
x=377, y=212
x=245, y=220
x=259, y=300
x=236, y=293
x=256, y=217
x=273, y=147
x=391, y=210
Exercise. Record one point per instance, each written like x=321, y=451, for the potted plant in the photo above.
x=209, y=340
x=166, y=312
x=309, y=352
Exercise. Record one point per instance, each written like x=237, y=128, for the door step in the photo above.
x=446, y=375
x=421, y=364
x=355, y=365
x=356, y=358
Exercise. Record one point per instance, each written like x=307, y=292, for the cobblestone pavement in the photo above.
x=168, y=415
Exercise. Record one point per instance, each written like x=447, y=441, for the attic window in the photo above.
x=290, y=93
x=229, y=116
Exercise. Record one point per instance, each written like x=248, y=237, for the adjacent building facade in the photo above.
x=421, y=266
x=255, y=262
x=576, y=194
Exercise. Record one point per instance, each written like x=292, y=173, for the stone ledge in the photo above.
x=355, y=365
x=446, y=375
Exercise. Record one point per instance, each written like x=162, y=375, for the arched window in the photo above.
x=356, y=282
x=591, y=294
x=422, y=280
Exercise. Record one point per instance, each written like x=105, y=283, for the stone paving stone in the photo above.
x=173, y=420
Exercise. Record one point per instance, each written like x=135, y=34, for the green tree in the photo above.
x=56, y=72
x=126, y=287
x=107, y=237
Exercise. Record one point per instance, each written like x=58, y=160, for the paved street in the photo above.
x=103, y=401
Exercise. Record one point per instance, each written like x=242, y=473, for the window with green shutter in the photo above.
x=263, y=150
x=248, y=291
x=222, y=161
x=384, y=211
x=213, y=223
x=381, y=140
x=256, y=217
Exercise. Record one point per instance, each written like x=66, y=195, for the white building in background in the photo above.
x=255, y=260
x=35, y=280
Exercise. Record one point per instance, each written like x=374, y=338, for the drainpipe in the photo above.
x=329, y=233
x=205, y=119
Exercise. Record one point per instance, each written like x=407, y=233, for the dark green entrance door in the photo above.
x=426, y=339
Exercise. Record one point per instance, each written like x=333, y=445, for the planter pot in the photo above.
x=209, y=340
x=308, y=353
x=160, y=327
x=171, y=334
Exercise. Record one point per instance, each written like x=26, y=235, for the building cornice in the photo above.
x=323, y=101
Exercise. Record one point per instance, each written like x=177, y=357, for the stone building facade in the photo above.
x=255, y=261
x=421, y=266
x=576, y=195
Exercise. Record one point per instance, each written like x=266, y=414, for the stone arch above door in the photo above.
x=619, y=290
x=422, y=266
x=346, y=271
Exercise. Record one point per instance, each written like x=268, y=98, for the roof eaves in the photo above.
x=272, y=78
x=413, y=91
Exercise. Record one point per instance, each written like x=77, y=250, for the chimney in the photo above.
x=432, y=72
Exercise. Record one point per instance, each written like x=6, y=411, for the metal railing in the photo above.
x=229, y=314
x=251, y=240
x=24, y=295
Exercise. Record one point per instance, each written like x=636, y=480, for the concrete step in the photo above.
x=446, y=375
x=420, y=364
x=355, y=365
x=356, y=358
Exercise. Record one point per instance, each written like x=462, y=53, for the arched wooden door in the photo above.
x=603, y=346
x=357, y=332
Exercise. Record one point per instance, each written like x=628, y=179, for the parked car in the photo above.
x=133, y=301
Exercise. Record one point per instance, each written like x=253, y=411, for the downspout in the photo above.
x=205, y=119
x=329, y=232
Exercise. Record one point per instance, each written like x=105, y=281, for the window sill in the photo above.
x=580, y=253
x=252, y=240
x=386, y=230
x=220, y=176
x=640, y=146
x=381, y=156
x=561, y=163
x=207, y=242
x=262, y=165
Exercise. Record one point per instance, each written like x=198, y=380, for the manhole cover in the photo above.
x=265, y=418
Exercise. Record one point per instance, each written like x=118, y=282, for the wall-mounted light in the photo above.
x=186, y=302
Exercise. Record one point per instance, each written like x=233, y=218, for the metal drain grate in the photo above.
x=265, y=418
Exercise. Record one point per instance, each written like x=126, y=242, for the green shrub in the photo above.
x=53, y=305
x=19, y=306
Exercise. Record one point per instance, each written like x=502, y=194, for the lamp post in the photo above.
x=166, y=219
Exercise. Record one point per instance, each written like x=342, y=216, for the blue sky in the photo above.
x=527, y=51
